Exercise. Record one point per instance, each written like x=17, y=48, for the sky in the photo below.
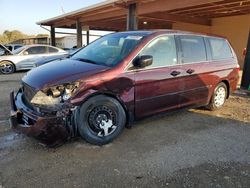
x=22, y=15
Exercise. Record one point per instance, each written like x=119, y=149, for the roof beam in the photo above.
x=117, y=13
x=177, y=18
x=212, y=6
x=102, y=16
x=163, y=5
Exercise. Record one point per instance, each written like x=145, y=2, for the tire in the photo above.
x=219, y=97
x=7, y=67
x=100, y=120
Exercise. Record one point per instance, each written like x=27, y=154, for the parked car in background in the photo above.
x=13, y=47
x=73, y=49
x=45, y=60
x=4, y=50
x=120, y=78
x=24, y=58
x=58, y=58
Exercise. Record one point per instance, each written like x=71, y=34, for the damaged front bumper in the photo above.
x=50, y=129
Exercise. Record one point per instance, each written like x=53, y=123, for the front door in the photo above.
x=157, y=86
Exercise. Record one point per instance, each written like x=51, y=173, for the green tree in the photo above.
x=42, y=35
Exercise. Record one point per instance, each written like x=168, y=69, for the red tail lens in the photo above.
x=238, y=68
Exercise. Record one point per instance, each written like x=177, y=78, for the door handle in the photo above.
x=175, y=73
x=190, y=71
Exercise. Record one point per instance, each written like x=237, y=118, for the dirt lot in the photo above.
x=190, y=148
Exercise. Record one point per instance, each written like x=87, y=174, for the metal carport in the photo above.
x=230, y=18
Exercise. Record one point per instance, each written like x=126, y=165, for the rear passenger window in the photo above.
x=163, y=50
x=220, y=49
x=193, y=49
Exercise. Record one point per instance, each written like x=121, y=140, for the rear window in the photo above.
x=220, y=49
x=193, y=49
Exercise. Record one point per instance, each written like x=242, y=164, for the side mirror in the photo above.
x=25, y=53
x=143, y=61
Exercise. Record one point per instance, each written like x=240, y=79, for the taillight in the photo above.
x=238, y=68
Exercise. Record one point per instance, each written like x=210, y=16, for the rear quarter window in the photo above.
x=220, y=49
x=52, y=50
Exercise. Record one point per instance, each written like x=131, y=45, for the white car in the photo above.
x=24, y=58
x=4, y=50
x=13, y=47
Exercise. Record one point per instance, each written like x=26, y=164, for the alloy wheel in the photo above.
x=6, y=67
x=220, y=96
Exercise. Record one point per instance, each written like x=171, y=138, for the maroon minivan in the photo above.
x=120, y=78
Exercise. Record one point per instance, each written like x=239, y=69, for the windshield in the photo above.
x=18, y=50
x=110, y=49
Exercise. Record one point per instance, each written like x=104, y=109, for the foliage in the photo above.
x=42, y=35
x=11, y=36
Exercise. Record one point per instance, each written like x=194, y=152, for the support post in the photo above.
x=87, y=36
x=245, y=81
x=79, y=33
x=52, y=36
x=132, y=18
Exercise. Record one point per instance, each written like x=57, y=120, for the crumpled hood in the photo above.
x=60, y=72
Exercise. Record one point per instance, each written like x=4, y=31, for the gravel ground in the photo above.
x=188, y=148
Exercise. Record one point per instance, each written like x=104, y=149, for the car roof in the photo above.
x=32, y=45
x=170, y=31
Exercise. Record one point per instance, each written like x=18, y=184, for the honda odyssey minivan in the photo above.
x=120, y=78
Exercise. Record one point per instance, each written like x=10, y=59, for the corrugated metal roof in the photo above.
x=82, y=10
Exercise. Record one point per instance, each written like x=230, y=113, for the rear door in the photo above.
x=157, y=86
x=195, y=65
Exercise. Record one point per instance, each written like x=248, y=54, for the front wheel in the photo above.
x=219, y=97
x=7, y=67
x=101, y=119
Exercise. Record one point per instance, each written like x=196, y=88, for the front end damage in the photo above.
x=43, y=115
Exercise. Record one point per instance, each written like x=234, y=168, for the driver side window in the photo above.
x=163, y=51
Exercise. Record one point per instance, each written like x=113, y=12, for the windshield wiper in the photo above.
x=86, y=60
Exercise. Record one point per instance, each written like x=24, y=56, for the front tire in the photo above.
x=101, y=119
x=219, y=97
x=6, y=67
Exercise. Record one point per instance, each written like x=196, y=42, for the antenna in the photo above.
x=62, y=10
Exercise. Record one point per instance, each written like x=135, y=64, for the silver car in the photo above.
x=24, y=58
x=13, y=47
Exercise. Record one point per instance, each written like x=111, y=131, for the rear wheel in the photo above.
x=219, y=97
x=7, y=67
x=101, y=120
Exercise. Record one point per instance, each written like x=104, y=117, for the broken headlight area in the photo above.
x=64, y=92
x=52, y=98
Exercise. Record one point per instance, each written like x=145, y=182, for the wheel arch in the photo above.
x=226, y=82
x=9, y=62
x=129, y=116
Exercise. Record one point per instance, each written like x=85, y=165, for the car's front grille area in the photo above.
x=27, y=120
